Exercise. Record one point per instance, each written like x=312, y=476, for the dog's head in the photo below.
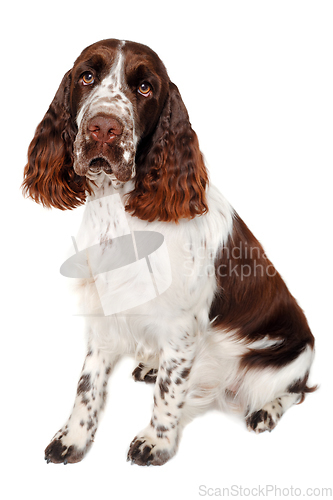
x=116, y=113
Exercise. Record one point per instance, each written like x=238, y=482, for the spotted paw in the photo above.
x=145, y=373
x=62, y=450
x=145, y=450
x=265, y=419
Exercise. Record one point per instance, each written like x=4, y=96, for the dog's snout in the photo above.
x=104, y=129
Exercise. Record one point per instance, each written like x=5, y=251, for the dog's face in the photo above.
x=116, y=113
x=117, y=93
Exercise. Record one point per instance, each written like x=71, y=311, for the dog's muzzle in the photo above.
x=105, y=143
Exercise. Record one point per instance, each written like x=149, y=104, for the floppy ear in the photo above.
x=49, y=177
x=171, y=176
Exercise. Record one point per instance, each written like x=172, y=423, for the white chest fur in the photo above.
x=143, y=286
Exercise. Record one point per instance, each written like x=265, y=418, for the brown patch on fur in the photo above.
x=253, y=300
x=185, y=373
x=84, y=384
x=164, y=386
x=300, y=387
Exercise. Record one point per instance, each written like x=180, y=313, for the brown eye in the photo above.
x=87, y=78
x=144, y=89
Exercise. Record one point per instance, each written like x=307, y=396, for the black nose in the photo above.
x=104, y=129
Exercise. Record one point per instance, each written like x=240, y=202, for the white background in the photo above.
x=257, y=79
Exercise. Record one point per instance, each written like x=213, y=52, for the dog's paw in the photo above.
x=145, y=373
x=147, y=449
x=265, y=419
x=63, y=450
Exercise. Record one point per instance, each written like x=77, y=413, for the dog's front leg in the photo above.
x=73, y=440
x=158, y=442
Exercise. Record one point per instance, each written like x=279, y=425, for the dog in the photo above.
x=167, y=269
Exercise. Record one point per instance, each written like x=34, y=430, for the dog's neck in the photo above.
x=105, y=185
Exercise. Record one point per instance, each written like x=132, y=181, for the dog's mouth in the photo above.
x=97, y=165
x=93, y=160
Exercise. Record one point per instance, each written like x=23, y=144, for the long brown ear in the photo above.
x=171, y=176
x=49, y=177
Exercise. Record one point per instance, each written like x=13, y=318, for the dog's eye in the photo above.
x=144, y=89
x=87, y=78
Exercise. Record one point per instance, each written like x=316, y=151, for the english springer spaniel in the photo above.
x=167, y=270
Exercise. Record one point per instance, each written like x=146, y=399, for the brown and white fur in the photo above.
x=226, y=332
